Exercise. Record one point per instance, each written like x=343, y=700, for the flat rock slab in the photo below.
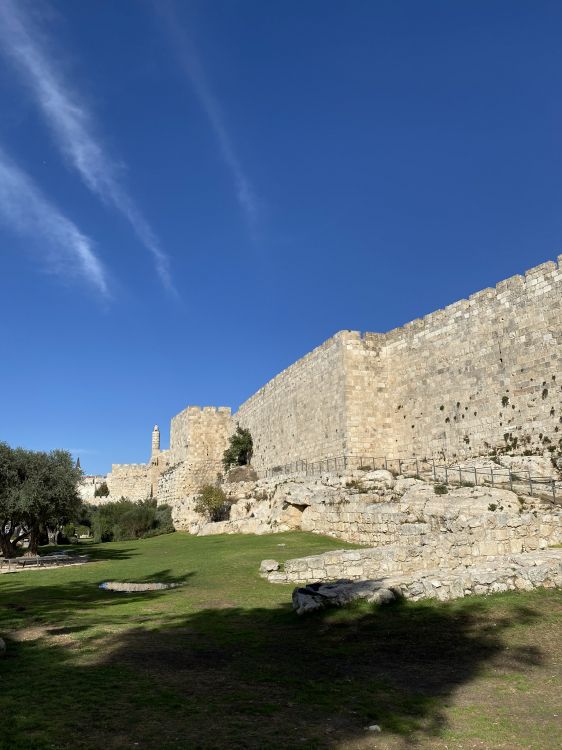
x=128, y=588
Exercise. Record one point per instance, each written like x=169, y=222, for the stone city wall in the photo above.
x=483, y=372
x=186, y=478
x=491, y=533
x=132, y=481
x=301, y=413
x=88, y=486
x=200, y=435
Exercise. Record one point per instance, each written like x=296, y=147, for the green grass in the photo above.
x=223, y=662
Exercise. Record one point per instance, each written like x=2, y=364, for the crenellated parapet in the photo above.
x=483, y=371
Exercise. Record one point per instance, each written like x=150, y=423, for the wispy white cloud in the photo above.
x=192, y=67
x=70, y=121
x=26, y=210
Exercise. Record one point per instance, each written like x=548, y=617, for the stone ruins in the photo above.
x=352, y=441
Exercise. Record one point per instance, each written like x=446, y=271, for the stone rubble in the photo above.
x=509, y=573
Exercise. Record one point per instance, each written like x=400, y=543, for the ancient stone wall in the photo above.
x=132, y=481
x=484, y=372
x=186, y=478
x=301, y=413
x=438, y=538
x=88, y=486
x=200, y=435
x=473, y=541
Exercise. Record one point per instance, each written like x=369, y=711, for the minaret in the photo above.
x=155, y=442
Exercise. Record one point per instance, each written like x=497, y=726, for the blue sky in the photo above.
x=193, y=194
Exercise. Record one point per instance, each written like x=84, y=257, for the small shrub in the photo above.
x=440, y=489
x=124, y=520
x=505, y=400
x=357, y=485
x=212, y=503
x=102, y=490
x=492, y=506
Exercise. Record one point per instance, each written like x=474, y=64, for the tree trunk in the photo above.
x=7, y=547
x=33, y=548
x=53, y=536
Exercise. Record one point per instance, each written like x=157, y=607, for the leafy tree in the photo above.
x=49, y=494
x=102, y=490
x=38, y=492
x=10, y=484
x=212, y=502
x=239, y=452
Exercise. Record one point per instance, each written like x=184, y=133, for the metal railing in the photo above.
x=518, y=481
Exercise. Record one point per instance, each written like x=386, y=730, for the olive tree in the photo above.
x=38, y=492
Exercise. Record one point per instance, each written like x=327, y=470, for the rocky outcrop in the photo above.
x=509, y=573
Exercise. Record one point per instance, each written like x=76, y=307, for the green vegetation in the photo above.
x=440, y=489
x=38, y=495
x=222, y=662
x=212, y=503
x=239, y=452
x=125, y=520
x=102, y=490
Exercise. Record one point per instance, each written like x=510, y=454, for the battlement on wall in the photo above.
x=534, y=280
x=128, y=469
x=194, y=410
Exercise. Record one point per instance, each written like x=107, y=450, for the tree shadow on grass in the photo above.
x=263, y=678
x=55, y=604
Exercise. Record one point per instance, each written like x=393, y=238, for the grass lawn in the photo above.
x=223, y=662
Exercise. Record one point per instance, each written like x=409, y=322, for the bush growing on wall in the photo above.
x=102, y=490
x=212, y=503
x=239, y=453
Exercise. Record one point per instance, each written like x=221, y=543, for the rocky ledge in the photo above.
x=511, y=573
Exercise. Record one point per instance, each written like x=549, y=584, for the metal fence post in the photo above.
x=510, y=481
x=530, y=485
x=434, y=472
x=385, y=463
x=475, y=477
x=446, y=476
x=460, y=475
x=553, y=491
x=399, y=466
x=417, y=468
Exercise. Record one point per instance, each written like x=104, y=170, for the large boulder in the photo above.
x=535, y=466
x=321, y=595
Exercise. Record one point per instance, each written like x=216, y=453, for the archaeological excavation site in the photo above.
x=435, y=449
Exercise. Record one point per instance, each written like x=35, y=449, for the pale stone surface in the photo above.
x=522, y=572
x=456, y=383
x=321, y=595
x=267, y=566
